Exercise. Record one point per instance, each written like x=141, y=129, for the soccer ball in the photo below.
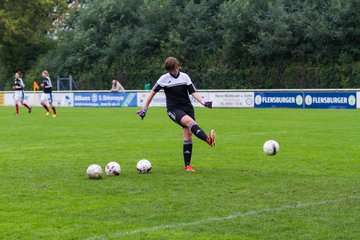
x=143, y=166
x=113, y=169
x=94, y=171
x=271, y=147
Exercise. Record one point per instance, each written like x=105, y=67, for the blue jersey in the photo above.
x=47, y=85
x=19, y=84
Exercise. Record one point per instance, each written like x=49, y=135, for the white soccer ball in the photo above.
x=271, y=147
x=143, y=166
x=113, y=169
x=94, y=171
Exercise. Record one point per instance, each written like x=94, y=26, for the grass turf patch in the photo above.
x=45, y=193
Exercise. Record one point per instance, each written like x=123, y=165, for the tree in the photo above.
x=24, y=25
x=221, y=44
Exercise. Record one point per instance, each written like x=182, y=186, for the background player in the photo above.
x=177, y=87
x=47, y=94
x=19, y=92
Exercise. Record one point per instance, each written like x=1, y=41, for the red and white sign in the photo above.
x=232, y=99
x=219, y=99
x=65, y=99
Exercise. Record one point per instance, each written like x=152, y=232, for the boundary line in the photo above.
x=20, y=149
x=229, y=217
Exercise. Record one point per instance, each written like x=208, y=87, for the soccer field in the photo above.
x=309, y=190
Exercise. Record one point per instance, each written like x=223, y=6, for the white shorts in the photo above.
x=19, y=95
x=46, y=97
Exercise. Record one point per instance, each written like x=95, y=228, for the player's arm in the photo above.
x=17, y=86
x=148, y=100
x=193, y=92
x=45, y=83
x=198, y=98
x=22, y=85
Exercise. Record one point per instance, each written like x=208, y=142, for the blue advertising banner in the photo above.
x=279, y=99
x=104, y=99
x=330, y=99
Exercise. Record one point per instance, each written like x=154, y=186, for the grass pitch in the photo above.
x=310, y=190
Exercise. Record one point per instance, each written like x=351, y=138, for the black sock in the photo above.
x=187, y=147
x=198, y=132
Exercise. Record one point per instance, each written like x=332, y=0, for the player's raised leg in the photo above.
x=197, y=131
x=25, y=105
x=46, y=108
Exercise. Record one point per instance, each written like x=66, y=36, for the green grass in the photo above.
x=310, y=190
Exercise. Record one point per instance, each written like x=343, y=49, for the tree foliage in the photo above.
x=221, y=44
x=23, y=33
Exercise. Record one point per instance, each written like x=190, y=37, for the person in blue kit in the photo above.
x=47, y=94
x=19, y=95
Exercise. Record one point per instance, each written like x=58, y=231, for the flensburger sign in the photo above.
x=303, y=99
x=330, y=99
x=279, y=99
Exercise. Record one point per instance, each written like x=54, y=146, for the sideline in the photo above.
x=229, y=217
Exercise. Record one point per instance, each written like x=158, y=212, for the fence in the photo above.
x=258, y=98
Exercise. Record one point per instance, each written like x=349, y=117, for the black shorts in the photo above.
x=176, y=115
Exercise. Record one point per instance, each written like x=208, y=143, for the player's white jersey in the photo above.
x=177, y=90
x=19, y=84
x=167, y=80
x=19, y=89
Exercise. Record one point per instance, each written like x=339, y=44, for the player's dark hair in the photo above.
x=171, y=63
x=20, y=74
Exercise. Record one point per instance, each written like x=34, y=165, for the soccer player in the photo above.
x=19, y=92
x=47, y=94
x=177, y=87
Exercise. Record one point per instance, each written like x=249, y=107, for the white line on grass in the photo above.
x=19, y=149
x=229, y=217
